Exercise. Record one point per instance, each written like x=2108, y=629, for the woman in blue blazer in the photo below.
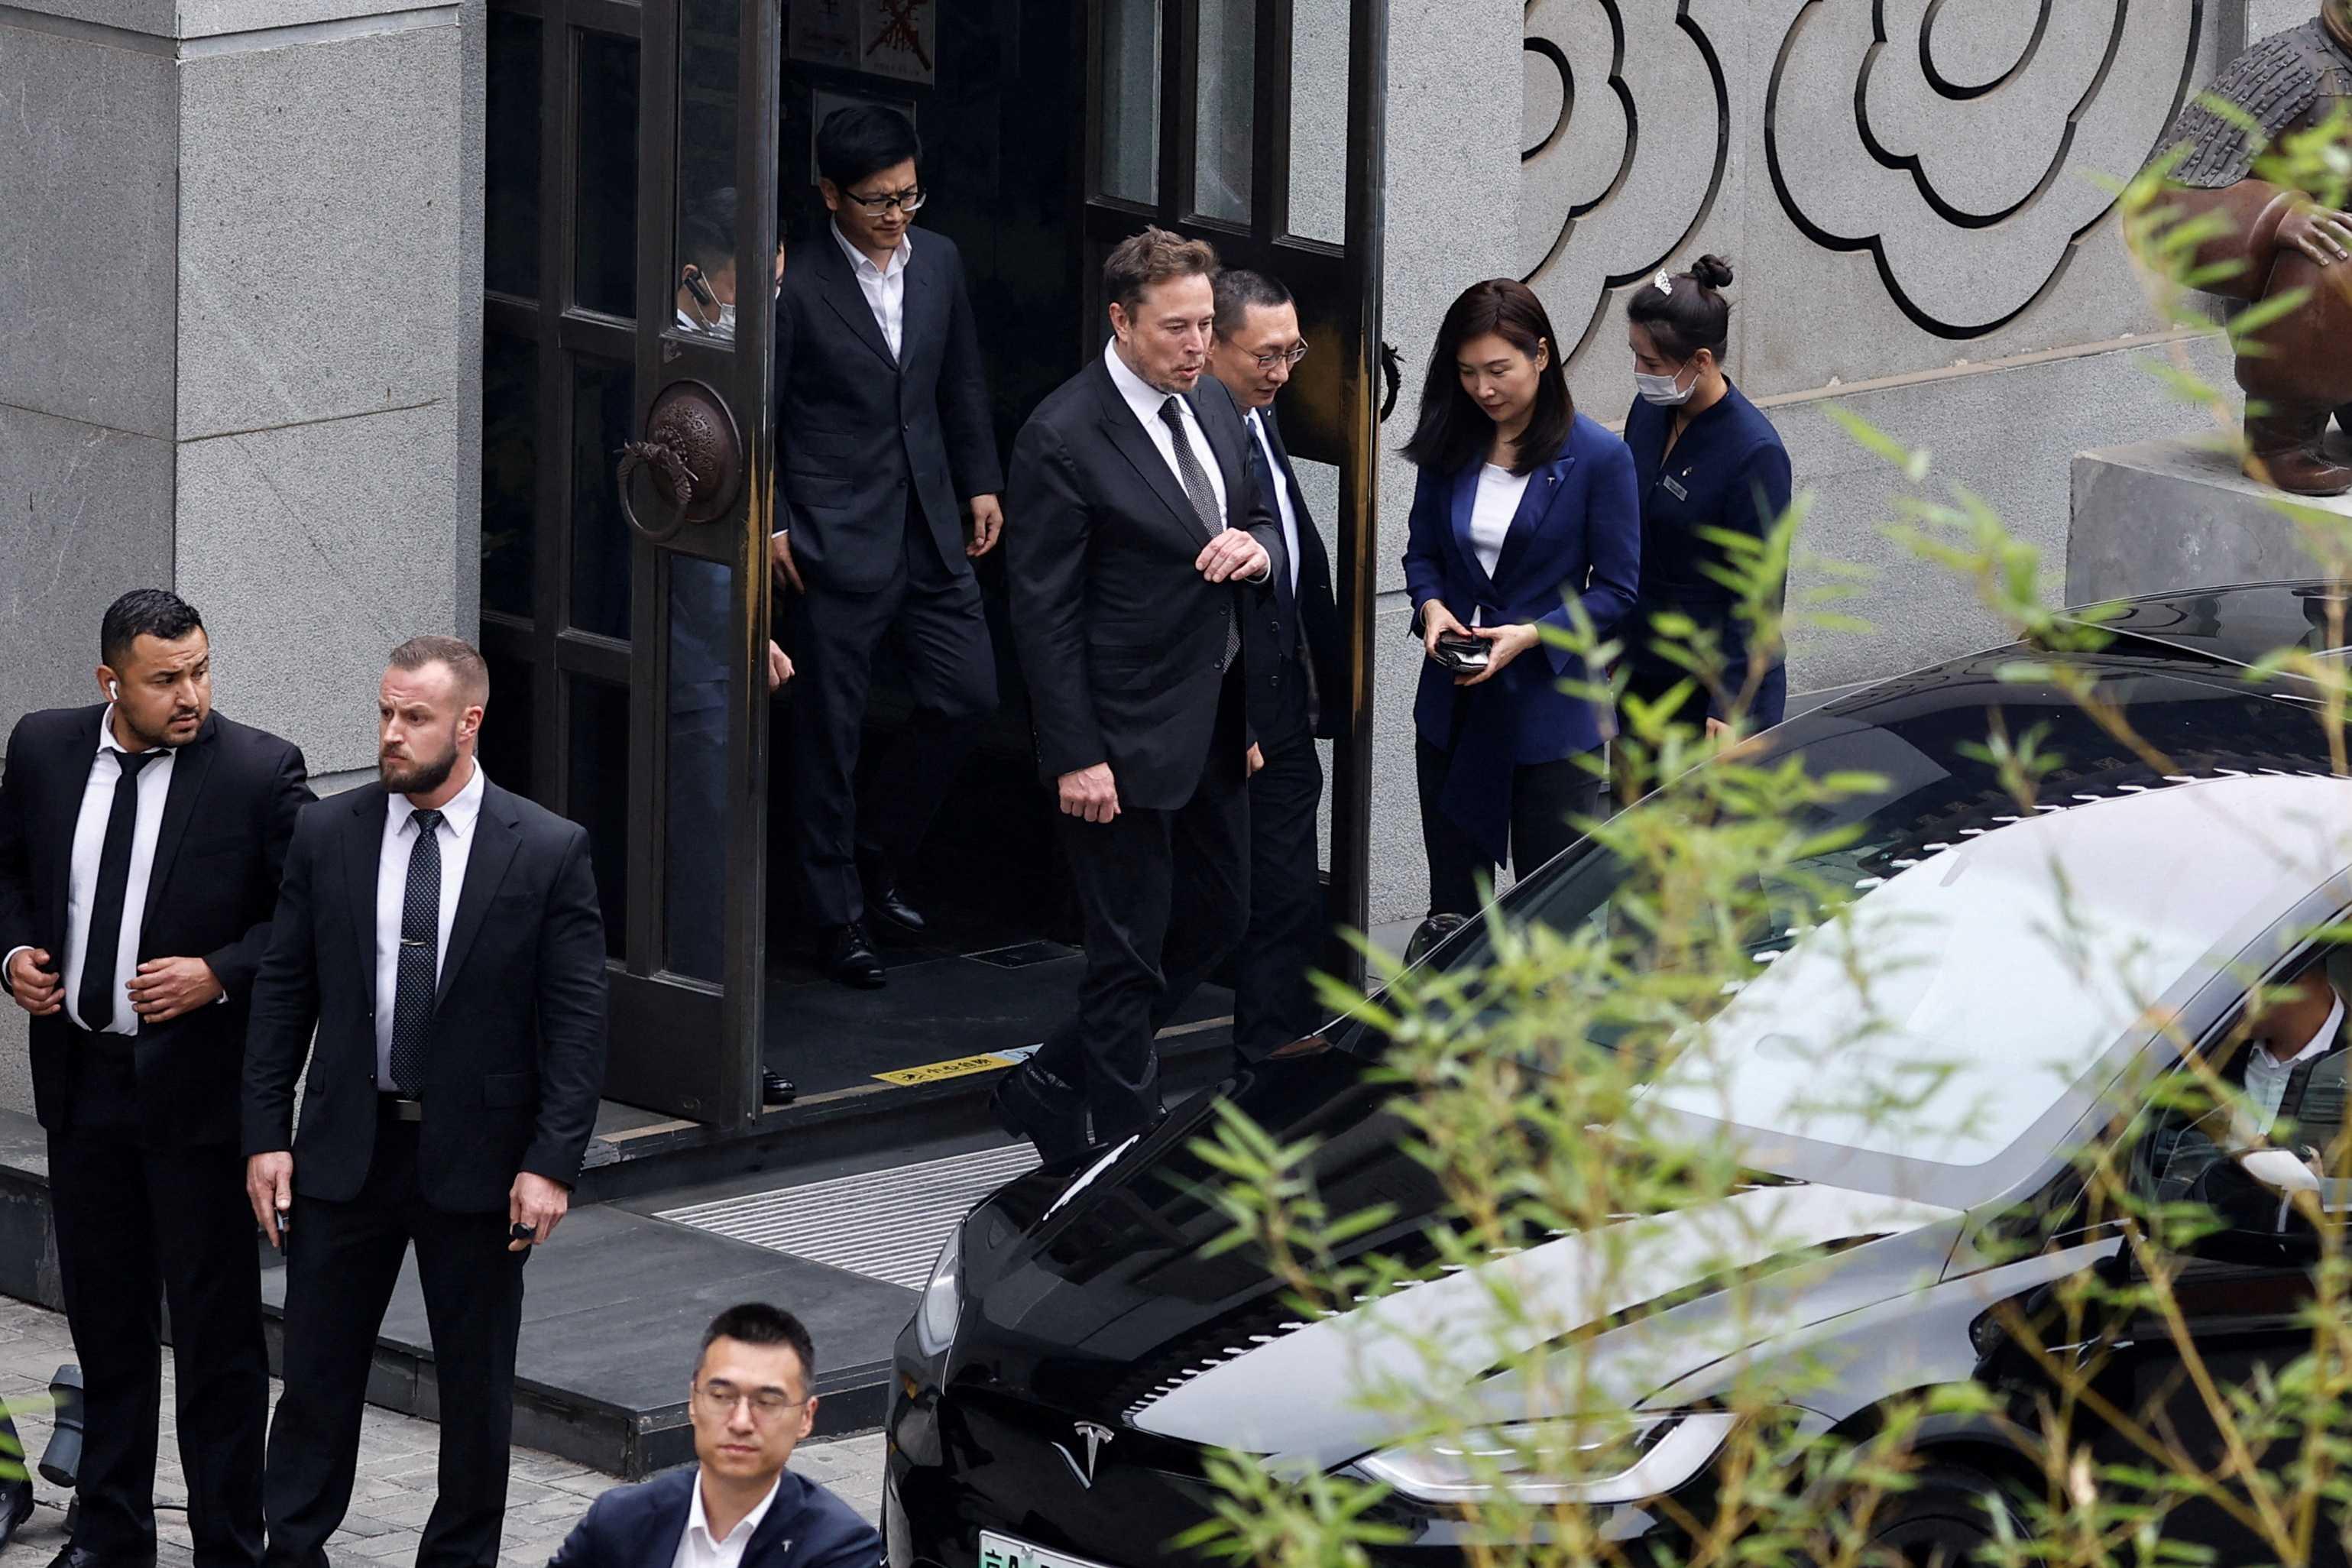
x=1524, y=508
x=1707, y=462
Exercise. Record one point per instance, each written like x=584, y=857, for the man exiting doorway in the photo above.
x=882, y=423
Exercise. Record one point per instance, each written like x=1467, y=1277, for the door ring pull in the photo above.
x=695, y=453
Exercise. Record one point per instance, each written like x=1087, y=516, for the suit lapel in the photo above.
x=1543, y=491
x=189, y=766
x=841, y=292
x=73, y=775
x=496, y=840
x=922, y=298
x=362, y=853
x=770, y=1539
x=1465, y=500
x=1119, y=424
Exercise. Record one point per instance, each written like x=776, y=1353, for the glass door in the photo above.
x=625, y=512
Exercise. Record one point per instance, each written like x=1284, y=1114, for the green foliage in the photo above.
x=1521, y=1079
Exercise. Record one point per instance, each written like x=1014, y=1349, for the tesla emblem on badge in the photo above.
x=1094, y=1437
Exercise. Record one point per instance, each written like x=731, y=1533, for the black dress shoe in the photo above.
x=848, y=958
x=775, y=1089
x=1430, y=933
x=19, y=1496
x=1041, y=1107
x=891, y=913
x=82, y=1557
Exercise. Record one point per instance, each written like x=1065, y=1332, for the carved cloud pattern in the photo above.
x=1621, y=157
x=1957, y=141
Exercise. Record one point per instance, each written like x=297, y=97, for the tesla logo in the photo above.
x=1094, y=1437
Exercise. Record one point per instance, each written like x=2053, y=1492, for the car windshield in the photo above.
x=1993, y=956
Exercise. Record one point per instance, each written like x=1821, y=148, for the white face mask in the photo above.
x=1663, y=390
x=726, y=327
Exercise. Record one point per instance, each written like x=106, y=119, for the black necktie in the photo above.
x=420, y=946
x=1204, y=497
x=98, y=996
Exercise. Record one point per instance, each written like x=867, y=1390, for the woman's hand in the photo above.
x=1437, y=620
x=1504, y=643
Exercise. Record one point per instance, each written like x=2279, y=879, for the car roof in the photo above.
x=2238, y=625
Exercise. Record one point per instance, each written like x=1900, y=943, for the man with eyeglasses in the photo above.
x=1298, y=692
x=739, y=1507
x=883, y=439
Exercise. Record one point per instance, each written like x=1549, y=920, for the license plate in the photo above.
x=1004, y=1551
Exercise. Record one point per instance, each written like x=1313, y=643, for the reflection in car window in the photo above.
x=1940, y=792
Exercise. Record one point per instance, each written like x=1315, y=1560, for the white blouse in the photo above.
x=1499, y=490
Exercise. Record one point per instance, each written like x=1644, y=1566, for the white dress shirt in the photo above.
x=1147, y=401
x=1257, y=417
x=2266, y=1076
x=81, y=884
x=885, y=288
x=456, y=841
x=694, y=1547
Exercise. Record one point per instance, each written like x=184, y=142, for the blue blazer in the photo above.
x=1577, y=537
x=640, y=1527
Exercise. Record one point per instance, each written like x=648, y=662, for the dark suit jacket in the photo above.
x=854, y=427
x=1119, y=635
x=640, y=1527
x=517, y=1056
x=1304, y=621
x=227, y=819
x=1577, y=538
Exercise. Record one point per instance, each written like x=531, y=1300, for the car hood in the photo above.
x=1106, y=1296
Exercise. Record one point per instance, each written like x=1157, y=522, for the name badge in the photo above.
x=1674, y=489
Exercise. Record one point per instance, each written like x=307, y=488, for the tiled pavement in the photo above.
x=545, y=1495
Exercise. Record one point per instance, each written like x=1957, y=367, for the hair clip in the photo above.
x=1665, y=285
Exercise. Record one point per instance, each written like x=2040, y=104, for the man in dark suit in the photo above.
x=1144, y=544
x=1297, y=695
x=882, y=422
x=442, y=936
x=739, y=1507
x=141, y=843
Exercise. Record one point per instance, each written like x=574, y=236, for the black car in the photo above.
x=1081, y=1345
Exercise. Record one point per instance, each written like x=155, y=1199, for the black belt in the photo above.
x=393, y=1107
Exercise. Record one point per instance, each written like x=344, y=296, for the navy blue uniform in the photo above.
x=640, y=1527
x=1728, y=472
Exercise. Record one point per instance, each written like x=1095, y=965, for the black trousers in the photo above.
x=341, y=1262
x=1544, y=796
x=1272, y=1002
x=139, y=1225
x=940, y=634
x=1164, y=895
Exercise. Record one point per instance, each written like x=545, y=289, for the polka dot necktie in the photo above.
x=420, y=950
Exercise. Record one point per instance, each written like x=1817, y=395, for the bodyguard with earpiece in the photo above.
x=1707, y=461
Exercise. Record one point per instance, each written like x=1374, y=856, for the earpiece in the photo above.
x=114, y=690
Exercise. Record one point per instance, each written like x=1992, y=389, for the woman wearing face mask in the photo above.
x=1523, y=509
x=1707, y=460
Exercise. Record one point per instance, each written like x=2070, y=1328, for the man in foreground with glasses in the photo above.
x=739, y=1507
x=883, y=435
x=1297, y=691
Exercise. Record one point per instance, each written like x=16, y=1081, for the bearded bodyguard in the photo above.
x=443, y=937
x=140, y=840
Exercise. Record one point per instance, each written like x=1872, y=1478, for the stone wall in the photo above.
x=1922, y=230
x=240, y=348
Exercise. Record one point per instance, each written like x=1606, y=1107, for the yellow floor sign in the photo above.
x=932, y=1072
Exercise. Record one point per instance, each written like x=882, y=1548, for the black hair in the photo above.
x=143, y=611
x=758, y=1324
x=857, y=142
x=1240, y=291
x=1453, y=429
x=1689, y=313
x=707, y=234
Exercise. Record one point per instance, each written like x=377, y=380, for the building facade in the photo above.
x=320, y=311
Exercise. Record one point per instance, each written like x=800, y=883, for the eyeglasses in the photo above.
x=767, y=1405
x=1290, y=355
x=906, y=201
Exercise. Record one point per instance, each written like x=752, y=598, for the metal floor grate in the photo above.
x=885, y=1225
